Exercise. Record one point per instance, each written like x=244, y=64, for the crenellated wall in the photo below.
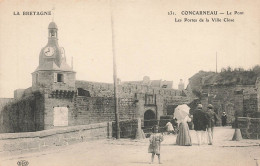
x=97, y=89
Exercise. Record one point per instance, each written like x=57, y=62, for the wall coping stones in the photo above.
x=4, y=136
x=247, y=118
x=50, y=132
x=242, y=118
x=249, y=127
x=255, y=120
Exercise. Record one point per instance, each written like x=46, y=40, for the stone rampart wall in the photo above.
x=89, y=110
x=23, y=115
x=236, y=100
x=35, y=141
x=171, y=102
x=97, y=89
x=249, y=127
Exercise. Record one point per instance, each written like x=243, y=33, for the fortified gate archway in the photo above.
x=149, y=118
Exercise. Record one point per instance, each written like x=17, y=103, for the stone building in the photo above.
x=57, y=99
x=152, y=83
x=181, y=85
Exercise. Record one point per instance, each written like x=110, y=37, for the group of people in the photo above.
x=204, y=122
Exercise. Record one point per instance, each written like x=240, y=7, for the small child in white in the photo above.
x=169, y=128
x=155, y=143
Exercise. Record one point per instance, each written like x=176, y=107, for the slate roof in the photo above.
x=52, y=66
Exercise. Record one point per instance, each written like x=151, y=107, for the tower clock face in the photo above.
x=49, y=51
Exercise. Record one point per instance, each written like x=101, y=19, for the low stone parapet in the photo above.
x=250, y=127
x=33, y=141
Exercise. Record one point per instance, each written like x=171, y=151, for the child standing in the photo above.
x=155, y=143
x=169, y=128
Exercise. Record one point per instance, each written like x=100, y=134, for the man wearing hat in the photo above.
x=200, y=122
x=211, y=119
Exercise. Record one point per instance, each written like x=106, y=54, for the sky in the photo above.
x=147, y=41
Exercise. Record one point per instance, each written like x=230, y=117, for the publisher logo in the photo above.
x=22, y=163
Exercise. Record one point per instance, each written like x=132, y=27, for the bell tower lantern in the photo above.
x=53, y=30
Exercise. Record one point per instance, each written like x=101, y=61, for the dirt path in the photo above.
x=134, y=152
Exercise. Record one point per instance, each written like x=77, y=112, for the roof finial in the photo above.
x=72, y=62
x=216, y=62
x=53, y=9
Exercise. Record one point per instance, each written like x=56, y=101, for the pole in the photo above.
x=72, y=62
x=53, y=9
x=114, y=74
x=216, y=62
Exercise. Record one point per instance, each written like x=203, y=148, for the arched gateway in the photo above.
x=149, y=118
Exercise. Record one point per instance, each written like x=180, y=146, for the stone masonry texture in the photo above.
x=249, y=127
x=34, y=141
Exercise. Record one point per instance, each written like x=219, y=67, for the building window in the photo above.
x=52, y=34
x=60, y=78
x=164, y=86
x=149, y=99
x=83, y=92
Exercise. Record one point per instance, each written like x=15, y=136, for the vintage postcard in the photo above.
x=128, y=82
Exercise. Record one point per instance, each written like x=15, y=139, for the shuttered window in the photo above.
x=60, y=78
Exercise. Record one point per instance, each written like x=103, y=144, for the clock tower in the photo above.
x=53, y=72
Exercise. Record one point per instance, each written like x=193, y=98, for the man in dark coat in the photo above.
x=211, y=120
x=200, y=123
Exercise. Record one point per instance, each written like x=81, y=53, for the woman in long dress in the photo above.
x=183, y=137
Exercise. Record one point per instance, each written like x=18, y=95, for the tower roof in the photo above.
x=47, y=66
x=52, y=66
x=52, y=25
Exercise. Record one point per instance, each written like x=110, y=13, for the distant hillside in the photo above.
x=226, y=77
x=237, y=76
